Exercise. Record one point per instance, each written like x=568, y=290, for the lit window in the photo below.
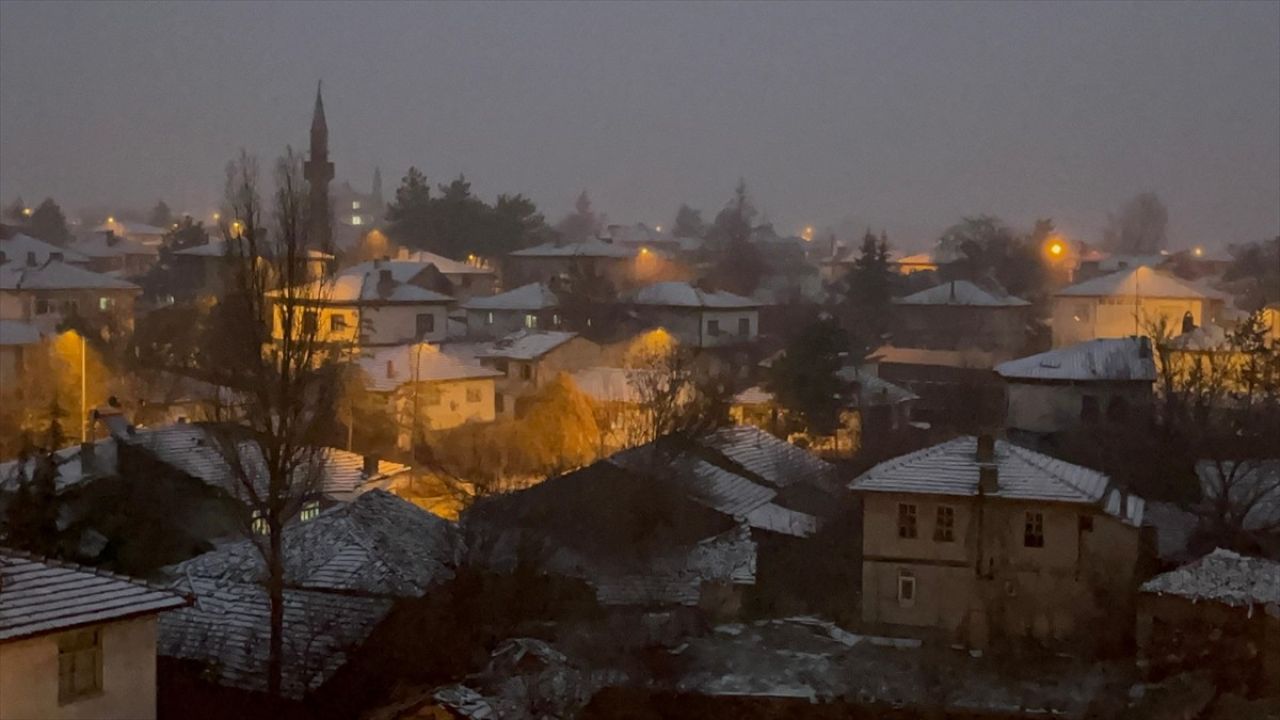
x=906, y=588
x=1033, y=531
x=337, y=323
x=355, y=204
x=105, y=303
x=488, y=319
x=310, y=510
x=555, y=319
x=473, y=395
x=944, y=530
x=530, y=321
x=259, y=524
x=357, y=220
x=79, y=665
x=906, y=520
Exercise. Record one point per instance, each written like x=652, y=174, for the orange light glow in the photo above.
x=1055, y=248
x=1199, y=251
x=27, y=212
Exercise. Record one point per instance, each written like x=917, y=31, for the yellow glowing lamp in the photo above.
x=27, y=212
x=1199, y=251
x=1055, y=248
x=110, y=219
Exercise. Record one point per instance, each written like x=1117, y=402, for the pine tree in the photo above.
x=161, y=216
x=49, y=224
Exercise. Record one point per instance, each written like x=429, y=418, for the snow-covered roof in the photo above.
x=448, y=266
x=595, y=248
x=1138, y=282
x=18, y=248
x=364, y=284
x=534, y=296
x=57, y=275
x=960, y=292
x=777, y=462
x=607, y=384
x=1109, y=359
x=951, y=468
x=682, y=294
x=216, y=247
x=40, y=596
x=1224, y=577
x=389, y=368
x=100, y=245
x=130, y=228
x=526, y=344
x=14, y=332
x=874, y=390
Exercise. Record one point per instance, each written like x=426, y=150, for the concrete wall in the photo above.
x=29, y=676
x=574, y=355
x=372, y=324
x=443, y=405
x=1077, y=319
x=1054, y=408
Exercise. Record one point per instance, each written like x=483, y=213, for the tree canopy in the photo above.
x=805, y=379
x=1139, y=228
x=581, y=224
x=49, y=224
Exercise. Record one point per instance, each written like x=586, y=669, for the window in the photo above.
x=500, y=366
x=355, y=204
x=337, y=323
x=426, y=324
x=357, y=220
x=42, y=306
x=79, y=665
x=744, y=326
x=1033, y=532
x=310, y=510
x=530, y=321
x=499, y=404
x=488, y=319
x=310, y=322
x=106, y=303
x=555, y=320
x=259, y=523
x=713, y=327
x=473, y=395
x=906, y=520
x=944, y=530
x=1082, y=312
x=1117, y=410
x=906, y=588
x=526, y=371
x=1089, y=409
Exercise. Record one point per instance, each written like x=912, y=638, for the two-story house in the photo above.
x=32, y=251
x=1130, y=302
x=528, y=307
x=76, y=642
x=111, y=253
x=625, y=266
x=529, y=359
x=468, y=279
x=696, y=317
x=46, y=293
x=957, y=315
x=978, y=541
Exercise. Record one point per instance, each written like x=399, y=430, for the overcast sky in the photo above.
x=904, y=116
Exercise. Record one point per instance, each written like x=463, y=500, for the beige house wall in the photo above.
x=24, y=305
x=576, y=354
x=442, y=405
x=369, y=324
x=29, y=676
x=1078, y=319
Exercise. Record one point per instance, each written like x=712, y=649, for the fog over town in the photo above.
x=480, y=361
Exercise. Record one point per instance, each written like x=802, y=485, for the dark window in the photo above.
x=473, y=395
x=744, y=326
x=79, y=665
x=526, y=371
x=337, y=323
x=426, y=324
x=713, y=327
x=500, y=366
x=1033, y=531
x=310, y=322
x=1117, y=410
x=1089, y=409
x=499, y=403
x=42, y=306
x=906, y=520
x=944, y=530
x=906, y=588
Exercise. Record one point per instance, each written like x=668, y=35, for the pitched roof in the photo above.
x=588, y=248
x=17, y=248
x=960, y=292
x=130, y=228
x=1112, y=359
x=100, y=245
x=951, y=468
x=39, y=596
x=389, y=368
x=14, y=332
x=682, y=294
x=1224, y=577
x=216, y=247
x=1141, y=282
x=448, y=266
x=362, y=283
x=525, y=344
x=57, y=275
x=534, y=296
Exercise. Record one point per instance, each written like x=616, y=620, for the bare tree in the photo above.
x=674, y=395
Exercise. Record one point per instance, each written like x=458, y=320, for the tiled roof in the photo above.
x=951, y=468
x=17, y=248
x=98, y=245
x=682, y=294
x=534, y=296
x=389, y=368
x=39, y=596
x=1128, y=358
x=589, y=248
x=13, y=332
x=526, y=344
x=777, y=462
x=56, y=275
x=1140, y=281
x=960, y=292
x=1224, y=577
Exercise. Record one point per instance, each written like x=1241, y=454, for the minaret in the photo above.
x=319, y=171
x=379, y=207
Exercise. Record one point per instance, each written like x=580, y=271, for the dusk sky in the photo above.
x=901, y=116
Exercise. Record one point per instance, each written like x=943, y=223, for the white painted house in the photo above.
x=528, y=307
x=697, y=317
x=1130, y=302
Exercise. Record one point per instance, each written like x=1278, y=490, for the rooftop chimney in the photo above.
x=31, y=258
x=988, y=479
x=386, y=283
x=986, y=449
x=370, y=466
x=88, y=460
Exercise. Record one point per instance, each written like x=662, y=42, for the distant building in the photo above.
x=983, y=541
x=1091, y=383
x=1130, y=302
x=625, y=266
x=140, y=233
x=529, y=307
x=696, y=317
x=47, y=293
x=919, y=262
x=75, y=642
x=957, y=315
x=123, y=256
x=18, y=340
x=357, y=209
x=24, y=249
x=530, y=359
x=956, y=388
x=468, y=279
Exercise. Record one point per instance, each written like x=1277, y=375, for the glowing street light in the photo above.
x=1055, y=248
x=217, y=217
x=111, y=219
x=26, y=212
x=657, y=228
x=807, y=234
x=1199, y=252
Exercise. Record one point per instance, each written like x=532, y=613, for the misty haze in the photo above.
x=520, y=361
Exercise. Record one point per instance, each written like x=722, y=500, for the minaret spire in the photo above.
x=319, y=171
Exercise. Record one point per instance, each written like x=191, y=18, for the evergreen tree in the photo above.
x=689, y=223
x=15, y=211
x=55, y=436
x=805, y=379
x=582, y=223
x=738, y=262
x=49, y=224
x=409, y=215
x=161, y=216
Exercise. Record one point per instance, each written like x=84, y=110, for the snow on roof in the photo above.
x=874, y=390
x=57, y=275
x=534, y=296
x=971, y=358
x=228, y=629
x=589, y=248
x=13, y=332
x=389, y=368
x=1209, y=336
x=676, y=578
x=446, y=265
x=951, y=468
x=216, y=247
x=1138, y=282
x=682, y=294
x=1224, y=577
x=1112, y=359
x=19, y=247
x=526, y=344
x=1111, y=263
x=39, y=596
x=130, y=228
x=100, y=245
x=960, y=292
x=777, y=462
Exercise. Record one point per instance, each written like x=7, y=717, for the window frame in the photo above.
x=1033, y=529
x=713, y=328
x=908, y=521
x=310, y=511
x=908, y=588
x=944, y=524
x=430, y=321
x=337, y=323
x=74, y=648
x=744, y=327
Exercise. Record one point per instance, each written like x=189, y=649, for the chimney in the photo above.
x=31, y=258
x=1188, y=322
x=986, y=449
x=385, y=283
x=988, y=479
x=55, y=256
x=370, y=466
x=88, y=461
x=953, y=291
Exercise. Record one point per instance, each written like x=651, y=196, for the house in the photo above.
x=76, y=642
x=429, y=389
x=696, y=317
x=22, y=248
x=17, y=341
x=1130, y=302
x=529, y=359
x=1096, y=263
x=468, y=279
x=918, y=262
x=955, y=388
x=528, y=307
x=136, y=231
x=344, y=571
x=957, y=315
x=1219, y=614
x=979, y=541
x=45, y=294
x=111, y=253
x=366, y=306
x=1107, y=380
x=625, y=266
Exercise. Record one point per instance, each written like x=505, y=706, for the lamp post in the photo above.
x=84, y=410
